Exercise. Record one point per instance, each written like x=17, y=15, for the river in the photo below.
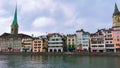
x=58, y=61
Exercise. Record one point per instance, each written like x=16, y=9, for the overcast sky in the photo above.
x=62, y=16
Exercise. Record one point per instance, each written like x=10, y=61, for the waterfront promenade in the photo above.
x=63, y=53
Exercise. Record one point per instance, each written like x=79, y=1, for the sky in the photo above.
x=41, y=17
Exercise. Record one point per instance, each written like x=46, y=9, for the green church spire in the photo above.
x=14, y=26
x=116, y=11
x=15, y=17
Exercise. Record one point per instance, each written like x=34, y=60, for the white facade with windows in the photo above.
x=55, y=43
x=82, y=40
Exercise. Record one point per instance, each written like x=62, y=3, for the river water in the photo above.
x=57, y=61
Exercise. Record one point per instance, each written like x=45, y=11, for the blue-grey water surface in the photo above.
x=57, y=61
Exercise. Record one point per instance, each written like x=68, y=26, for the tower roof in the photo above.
x=116, y=10
x=15, y=17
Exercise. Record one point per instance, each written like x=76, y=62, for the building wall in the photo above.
x=11, y=44
x=97, y=43
x=116, y=38
x=85, y=42
x=71, y=42
x=109, y=45
x=55, y=43
x=37, y=45
x=26, y=44
x=82, y=40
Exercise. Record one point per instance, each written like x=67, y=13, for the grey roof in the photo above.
x=8, y=35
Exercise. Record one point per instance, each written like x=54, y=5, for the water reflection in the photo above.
x=57, y=61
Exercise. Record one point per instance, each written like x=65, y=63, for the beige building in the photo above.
x=26, y=43
x=39, y=45
x=71, y=42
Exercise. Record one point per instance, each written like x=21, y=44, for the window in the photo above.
x=107, y=42
x=72, y=39
x=117, y=44
x=39, y=47
x=35, y=47
x=35, y=50
x=101, y=45
x=53, y=39
x=57, y=39
x=35, y=41
x=85, y=45
x=118, y=40
x=109, y=45
x=94, y=45
x=68, y=39
x=39, y=44
x=35, y=44
x=39, y=41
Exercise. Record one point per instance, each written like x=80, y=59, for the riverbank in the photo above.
x=63, y=53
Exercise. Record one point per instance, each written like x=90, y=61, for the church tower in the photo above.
x=14, y=26
x=116, y=17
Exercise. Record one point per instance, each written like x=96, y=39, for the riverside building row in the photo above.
x=104, y=40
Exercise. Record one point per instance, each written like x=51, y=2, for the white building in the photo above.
x=55, y=42
x=82, y=40
x=97, y=42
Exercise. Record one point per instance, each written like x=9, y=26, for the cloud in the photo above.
x=34, y=33
x=36, y=5
x=2, y=12
x=5, y=24
x=74, y=21
x=42, y=22
x=68, y=10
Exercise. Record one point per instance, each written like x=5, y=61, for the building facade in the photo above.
x=109, y=45
x=82, y=39
x=10, y=43
x=39, y=44
x=97, y=42
x=71, y=42
x=116, y=38
x=26, y=43
x=55, y=42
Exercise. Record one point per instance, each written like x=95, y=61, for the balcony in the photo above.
x=55, y=44
x=55, y=41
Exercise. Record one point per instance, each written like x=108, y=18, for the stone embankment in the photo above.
x=63, y=53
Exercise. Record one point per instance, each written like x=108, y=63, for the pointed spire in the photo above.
x=116, y=11
x=14, y=26
x=15, y=16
